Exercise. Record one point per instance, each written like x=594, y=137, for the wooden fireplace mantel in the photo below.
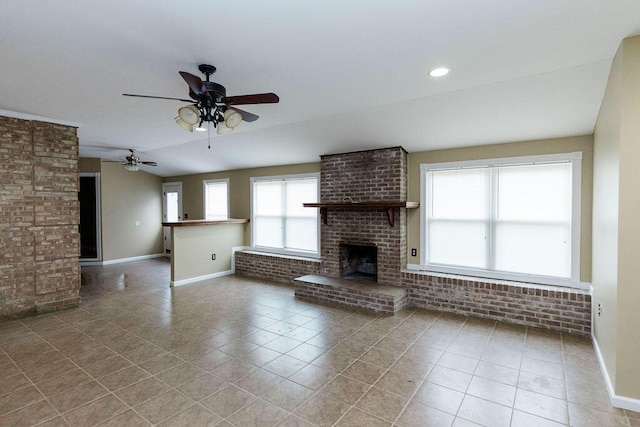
x=389, y=206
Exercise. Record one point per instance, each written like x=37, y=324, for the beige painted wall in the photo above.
x=89, y=164
x=527, y=148
x=606, y=166
x=616, y=225
x=127, y=197
x=239, y=189
x=193, y=246
x=627, y=377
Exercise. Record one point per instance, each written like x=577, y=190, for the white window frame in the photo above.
x=576, y=167
x=204, y=195
x=308, y=254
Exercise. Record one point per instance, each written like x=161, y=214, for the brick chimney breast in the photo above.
x=372, y=175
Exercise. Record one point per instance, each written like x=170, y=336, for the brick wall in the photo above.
x=364, y=175
x=280, y=268
x=374, y=175
x=39, y=216
x=549, y=307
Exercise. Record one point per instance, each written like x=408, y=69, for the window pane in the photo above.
x=459, y=193
x=280, y=220
x=268, y=231
x=535, y=192
x=460, y=243
x=268, y=198
x=300, y=191
x=216, y=200
x=301, y=234
x=541, y=249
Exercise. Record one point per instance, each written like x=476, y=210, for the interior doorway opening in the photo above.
x=89, y=228
x=171, y=209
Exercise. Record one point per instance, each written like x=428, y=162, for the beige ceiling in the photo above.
x=351, y=74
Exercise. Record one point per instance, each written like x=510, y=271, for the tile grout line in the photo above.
x=388, y=369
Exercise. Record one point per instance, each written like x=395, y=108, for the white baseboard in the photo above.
x=617, y=401
x=200, y=278
x=135, y=258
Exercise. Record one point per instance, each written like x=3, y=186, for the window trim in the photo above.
x=205, y=182
x=576, y=194
x=306, y=254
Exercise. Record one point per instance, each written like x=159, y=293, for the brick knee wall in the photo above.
x=39, y=217
x=549, y=307
x=279, y=268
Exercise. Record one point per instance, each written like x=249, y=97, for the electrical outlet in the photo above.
x=599, y=309
x=213, y=257
x=414, y=252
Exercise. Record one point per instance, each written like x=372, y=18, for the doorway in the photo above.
x=171, y=209
x=89, y=228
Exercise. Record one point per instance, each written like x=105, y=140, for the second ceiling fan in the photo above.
x=210, y=104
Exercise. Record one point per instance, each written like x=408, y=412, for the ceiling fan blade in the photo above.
x=246, y=116
x=149, y=163
x=257, y=98
x=159, y=97
x=195, y=84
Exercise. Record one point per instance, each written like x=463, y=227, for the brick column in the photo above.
x=39, y=217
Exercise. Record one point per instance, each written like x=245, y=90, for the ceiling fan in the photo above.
x=210, y=104
x=132, y=162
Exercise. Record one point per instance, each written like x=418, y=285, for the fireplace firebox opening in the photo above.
x=359, y=262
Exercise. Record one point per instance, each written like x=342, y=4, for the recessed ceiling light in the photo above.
x=439, y=72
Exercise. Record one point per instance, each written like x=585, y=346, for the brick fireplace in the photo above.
x=353, y=189
x=374, y=175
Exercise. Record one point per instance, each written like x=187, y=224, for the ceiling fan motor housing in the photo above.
x=217, y=91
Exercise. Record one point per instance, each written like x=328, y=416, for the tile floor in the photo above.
x=243, y=352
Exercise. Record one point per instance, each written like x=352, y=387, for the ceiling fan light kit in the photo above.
x=223, y=129
x=210, y=104
x=185, y=125
x=232, y=118
x=189, y=114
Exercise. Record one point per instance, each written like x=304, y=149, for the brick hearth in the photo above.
x=384, y=299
